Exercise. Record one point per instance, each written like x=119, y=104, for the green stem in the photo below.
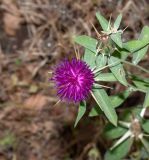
x=137, y=66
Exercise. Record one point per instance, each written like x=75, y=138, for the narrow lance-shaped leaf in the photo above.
x=140, y=83
x=87, y=42
x=81, y=112
x=124, y=54
x=145, y=126
x=103, y=22
x=95, y=111
x=137, y=56
x=145, y=104
x=119, y=152
x=117, y=21
x=112, y=132
x=118, y=99
x=146, y=101
x=145, y=33
x=117, y=70
x=90, y=58
x=145, y=143
x=101, y=61
x=103, y=101
x=122, y=139
x=135, y=45
x=106, y=77
x=116, y=37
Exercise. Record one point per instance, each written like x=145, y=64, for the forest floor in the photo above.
x=34, y=36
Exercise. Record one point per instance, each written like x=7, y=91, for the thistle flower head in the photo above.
x=73, y=80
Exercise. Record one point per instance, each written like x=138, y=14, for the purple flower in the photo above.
x=73, y=80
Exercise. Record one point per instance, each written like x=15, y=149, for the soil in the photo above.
x=34, y=36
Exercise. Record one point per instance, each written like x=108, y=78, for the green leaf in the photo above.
x=112, y=132
x=117, y=70
x=142, y=84
x=117, y=21
x=81, y=112
x=146, y=101
x=121, y=139
x=116, y=37
x=120, y=151
x=90, y=58
x=107, y=77
x=103, y=22
x=101, y=61
x=118, y=99
x=95, y=111
x=124, y=54
x=137, y=56
x=145, y=126
x=145, y=143
x=121, y=53
x=103, y=101
x=144, y=154
x=98, y=61
x=135, y=45
x=145, y=33
x=87, y=42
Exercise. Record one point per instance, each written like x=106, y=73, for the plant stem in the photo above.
x=137, y=66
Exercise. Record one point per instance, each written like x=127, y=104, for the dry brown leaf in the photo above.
x=36, y=102
x=11, y=23
x=12, y=18
x=11, y=7
x=7, y=2
x=32, y=157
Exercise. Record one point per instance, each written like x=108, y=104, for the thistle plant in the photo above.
x=104, y=60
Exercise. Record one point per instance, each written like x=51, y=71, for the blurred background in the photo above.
x=34, y=36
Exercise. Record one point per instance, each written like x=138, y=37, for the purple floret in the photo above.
x=73, y=80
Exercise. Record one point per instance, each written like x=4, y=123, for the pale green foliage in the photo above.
x=107, y=57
